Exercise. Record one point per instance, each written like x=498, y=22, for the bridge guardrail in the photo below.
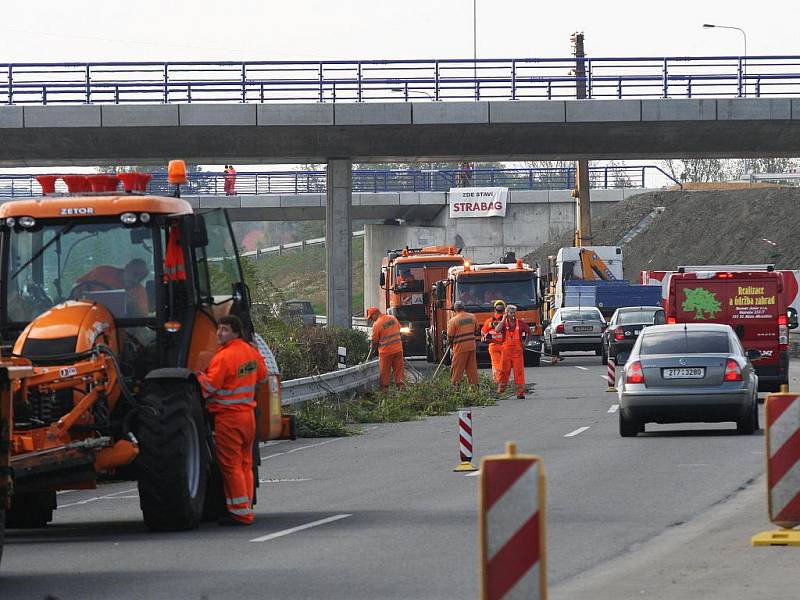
x=374, y=181
x=397, y=80
x=299, y=391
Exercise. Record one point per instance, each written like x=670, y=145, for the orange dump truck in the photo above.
x=406, y=280
x=109, y=306
x=478, y=286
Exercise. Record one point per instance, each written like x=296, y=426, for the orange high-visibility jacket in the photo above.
x=230, y=381
x=112, y=278
x=386, y=333
x=490, y=326
x=512, y=336
x=461, y=332
x=174, y=266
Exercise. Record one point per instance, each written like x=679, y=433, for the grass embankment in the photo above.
x=341, y=416
x=301, y=275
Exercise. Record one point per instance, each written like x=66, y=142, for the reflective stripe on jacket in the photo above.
x=461, y=332
x=231, y=379
x=386, y=333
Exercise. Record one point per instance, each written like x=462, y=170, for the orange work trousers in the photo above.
x=496, y=356
x=235, y=434
x=512, y=360
x=392, y=364
x=464, y=362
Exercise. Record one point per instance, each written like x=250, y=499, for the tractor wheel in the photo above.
x=31, y=510
x=173, y=457
x=214, y=506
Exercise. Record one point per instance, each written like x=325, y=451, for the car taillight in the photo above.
x=634, y=373
x=560, y=328
x=732, y=371
x=671, y=320
x=619, y=333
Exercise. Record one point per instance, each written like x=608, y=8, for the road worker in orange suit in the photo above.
x=461, y=337
x=386, y=340
x=494, y=339
x=514, y=332
x=229, y=385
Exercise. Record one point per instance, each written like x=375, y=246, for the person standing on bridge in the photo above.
x=230, y=180
x=515, y=332
x=229, y=385
x=389, y=345
x=461, y=337
x=494, y=339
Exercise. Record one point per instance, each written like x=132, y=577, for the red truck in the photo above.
x=753, y=303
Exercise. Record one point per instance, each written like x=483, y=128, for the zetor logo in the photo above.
x=79, y=210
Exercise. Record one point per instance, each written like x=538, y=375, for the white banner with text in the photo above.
x=478, y=202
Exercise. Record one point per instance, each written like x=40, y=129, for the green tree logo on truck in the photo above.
x=703, y=302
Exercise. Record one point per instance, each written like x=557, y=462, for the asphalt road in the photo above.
x=382, y=514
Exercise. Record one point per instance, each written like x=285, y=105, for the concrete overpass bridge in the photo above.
x=338, y=112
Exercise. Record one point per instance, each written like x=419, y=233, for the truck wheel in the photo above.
x=31, y=510
x=173, y=459
x=2, y=531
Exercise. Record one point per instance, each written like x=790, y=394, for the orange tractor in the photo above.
x=108, y=307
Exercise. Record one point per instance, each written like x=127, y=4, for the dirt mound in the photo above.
x=699, y=227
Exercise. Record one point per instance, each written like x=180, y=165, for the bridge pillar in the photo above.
x=339, y=241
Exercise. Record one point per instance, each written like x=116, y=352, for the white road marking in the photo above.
x=285, y=480
x=286, y=532
x=581, y=368
x=613, y=408
x=694, y=465
x=293, y=450
x=59, y=492
x=96, y=498
x=576, y=432
x=604, y=378
x=473, y=474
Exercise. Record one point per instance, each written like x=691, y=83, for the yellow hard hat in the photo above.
x=499, y=303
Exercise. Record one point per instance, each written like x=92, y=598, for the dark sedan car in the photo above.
x=624, y=328
x=688, y=372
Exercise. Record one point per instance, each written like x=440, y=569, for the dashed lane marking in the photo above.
x=113, y=496
x=613, y=408
x=578, y=431
x=293, y=450
x=582, y=368
x=473, y=474
x=283, y=480
x=286, y=532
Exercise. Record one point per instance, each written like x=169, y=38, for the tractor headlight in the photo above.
x=26, y=222
x=405, y=329
x=144, y=218
x=128, y=218
x=10, y=222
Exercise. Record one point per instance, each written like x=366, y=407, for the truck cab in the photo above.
x=478, y=286
x=406, y=281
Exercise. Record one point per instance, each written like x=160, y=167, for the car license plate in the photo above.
x=582, y=328
x=684, y=373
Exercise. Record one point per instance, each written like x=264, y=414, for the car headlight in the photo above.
x=405, y=329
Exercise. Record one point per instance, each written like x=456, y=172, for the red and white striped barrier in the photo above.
x=612, y=375
x=512, y=526
x=465, y=441
x=783, y=469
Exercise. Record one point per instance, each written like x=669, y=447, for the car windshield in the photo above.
x=481, y=295
x=62, y=260
x=684, y=342
x=637, y=316
x=581, y=315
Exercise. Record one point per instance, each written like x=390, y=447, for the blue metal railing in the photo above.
x=304, y=182
x=397, y=80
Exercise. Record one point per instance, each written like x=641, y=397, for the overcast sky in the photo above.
x=110, y=30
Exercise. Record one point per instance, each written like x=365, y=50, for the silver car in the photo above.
x=575, y=328
x=688, y=372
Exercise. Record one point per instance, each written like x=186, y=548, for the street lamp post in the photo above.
x=744, y=59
